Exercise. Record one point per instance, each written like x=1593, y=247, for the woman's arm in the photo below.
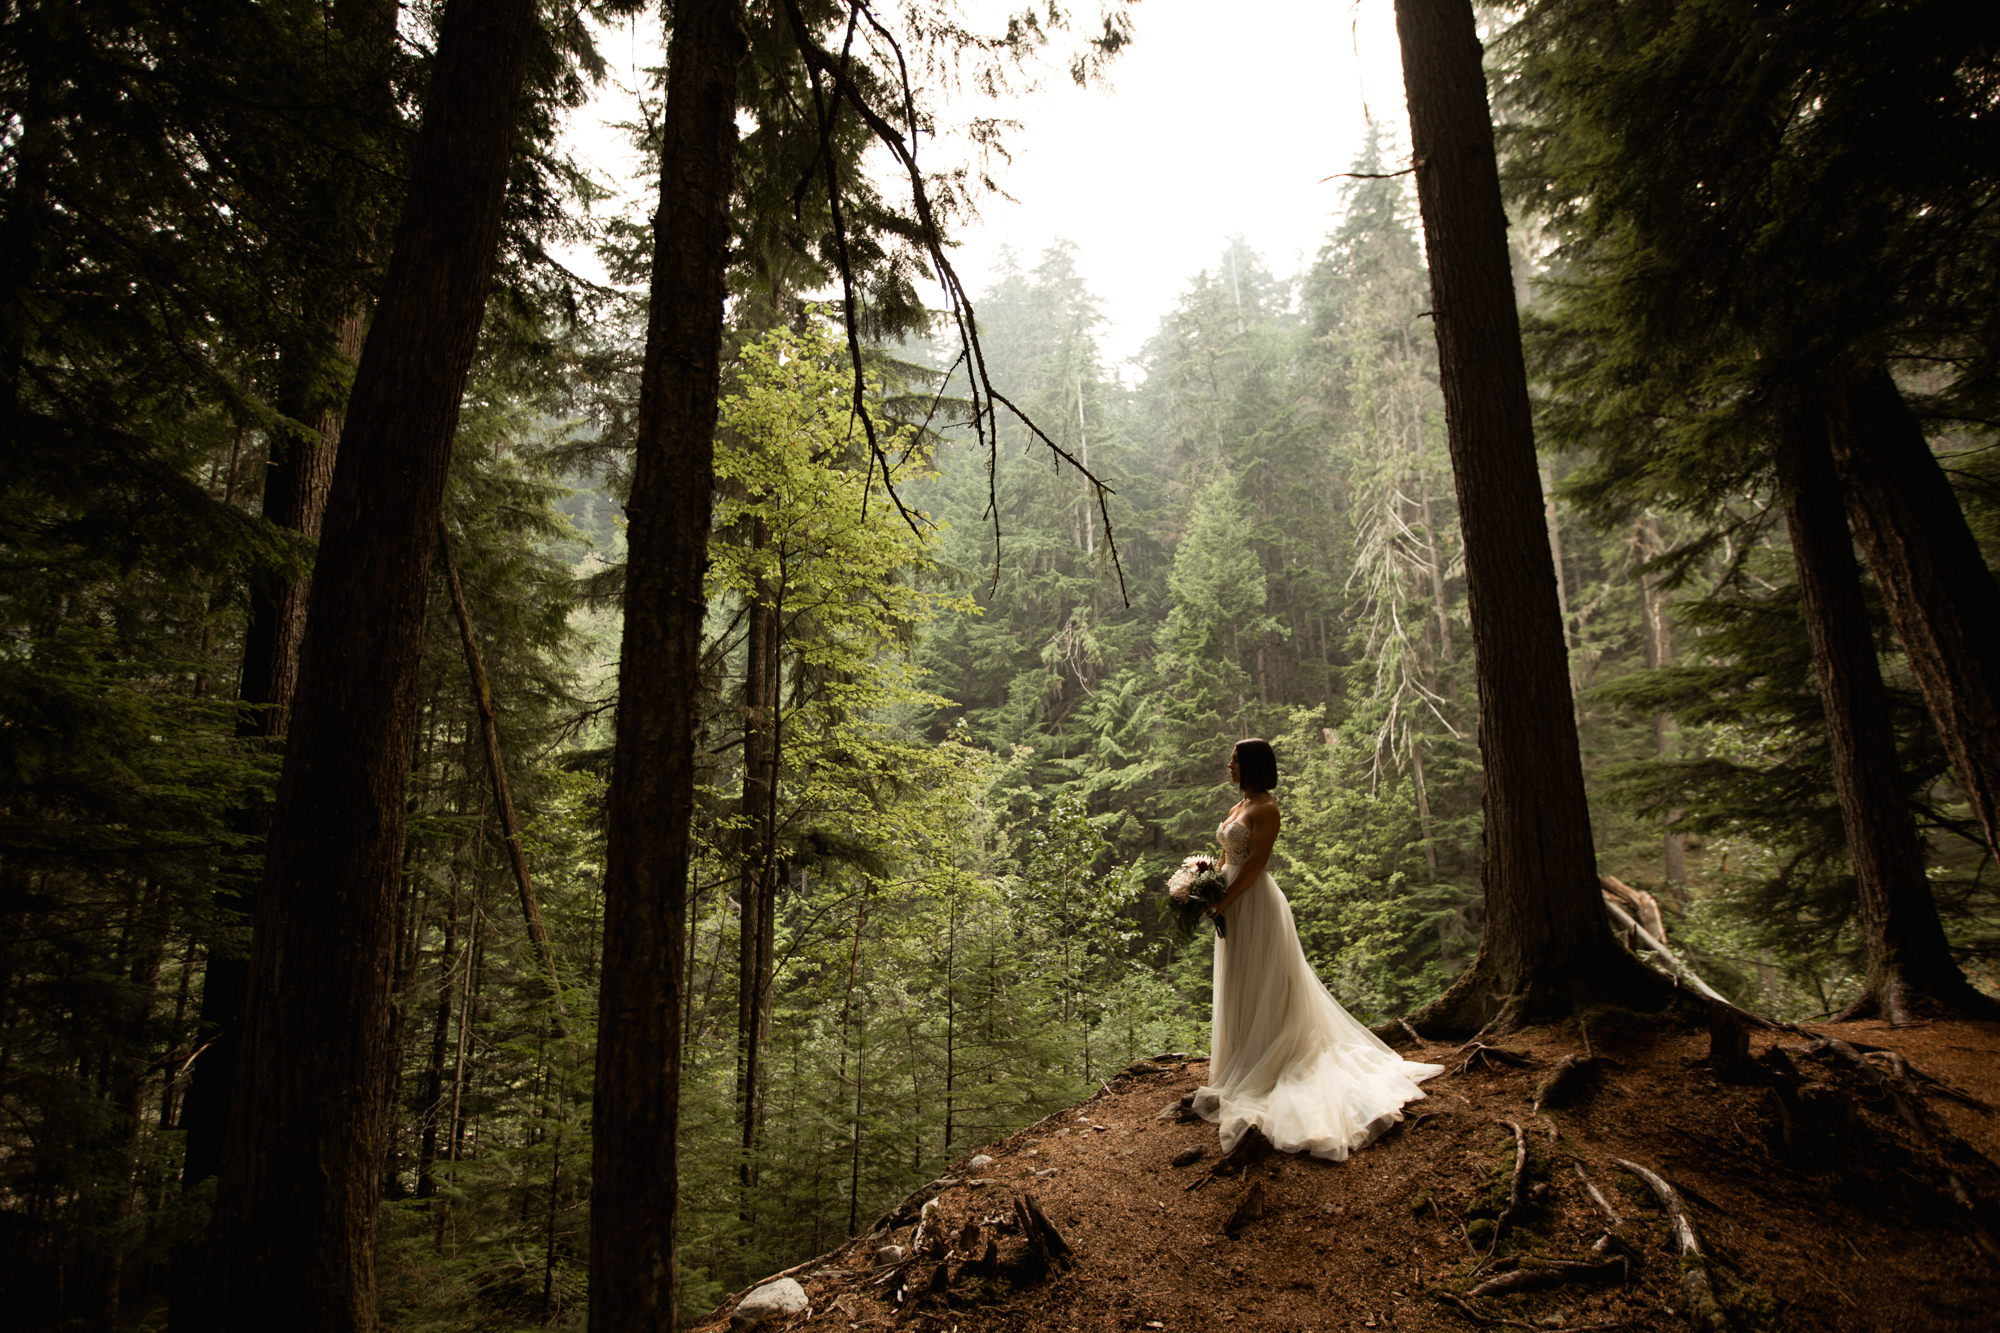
x=1263, y=822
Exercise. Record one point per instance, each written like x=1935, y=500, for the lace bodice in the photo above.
x=1234, y=835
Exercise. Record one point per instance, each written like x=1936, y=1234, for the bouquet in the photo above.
x=1191, y=890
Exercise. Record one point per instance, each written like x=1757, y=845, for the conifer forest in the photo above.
x=526, y=803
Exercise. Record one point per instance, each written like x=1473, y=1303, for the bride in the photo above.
x=1285, y=1057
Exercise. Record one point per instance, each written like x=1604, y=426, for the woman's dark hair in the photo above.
x=1256, y=765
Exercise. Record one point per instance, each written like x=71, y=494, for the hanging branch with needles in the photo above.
x=834, y=85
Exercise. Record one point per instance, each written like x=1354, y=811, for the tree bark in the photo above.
x=1547, y=945
x=635, y=1160
x=297, y=479
x=756, y=939
x=1941, y=597
x=294, y=1229
x=1909, y=963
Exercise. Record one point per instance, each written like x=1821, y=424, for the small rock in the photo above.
x=1043, y=1174
x=979, y=1182
x=782, y=1297
x=891, y=1254
x=1171, y=1111
x=1189, y=1156
x=942, y=1183
x=979, y=1161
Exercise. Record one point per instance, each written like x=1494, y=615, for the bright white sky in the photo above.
x=1220, y=119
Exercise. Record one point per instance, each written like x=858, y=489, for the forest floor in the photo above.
x=1856, y=1235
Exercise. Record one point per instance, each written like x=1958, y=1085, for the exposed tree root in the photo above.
x=1482, y=1004
x=1957, y=1158
x=1484, y=1056
x=1478, y=1316
x=1513, y=1190
x=1704, y=1311
x=1571, y=1080
x=1894, y=996
x=1617, y=1220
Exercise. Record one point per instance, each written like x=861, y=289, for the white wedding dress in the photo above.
x=1284, y=1056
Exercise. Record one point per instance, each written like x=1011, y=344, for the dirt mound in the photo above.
x=1831, y=1185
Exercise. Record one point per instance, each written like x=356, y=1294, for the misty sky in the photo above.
x=1219, y=120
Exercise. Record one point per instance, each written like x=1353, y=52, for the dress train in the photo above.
x=1284, y=1055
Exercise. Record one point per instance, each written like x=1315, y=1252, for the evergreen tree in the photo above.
x=1728, y=312
x=1546, y=946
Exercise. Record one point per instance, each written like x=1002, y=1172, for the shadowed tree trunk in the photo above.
x=294, y=1228
x=297, y=478
x=634, y=1204
x=1941, y=597
x=1546, y=945
x=1910, y=967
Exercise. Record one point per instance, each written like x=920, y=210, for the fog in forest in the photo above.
x=996, y=566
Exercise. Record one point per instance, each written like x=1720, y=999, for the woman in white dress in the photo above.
x=1284, y=1056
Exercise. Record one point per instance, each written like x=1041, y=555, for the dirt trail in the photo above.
x=1848, y=1240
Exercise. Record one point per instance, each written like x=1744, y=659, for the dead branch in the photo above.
x=839, y=87
x=1371, y=175
x=1681, y=971
x=1703, y=1310
x=496, y=772
x=1537, y=1273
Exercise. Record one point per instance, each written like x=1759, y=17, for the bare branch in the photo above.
x=821, y=63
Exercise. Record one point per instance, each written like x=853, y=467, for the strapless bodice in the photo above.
x=1234, y=835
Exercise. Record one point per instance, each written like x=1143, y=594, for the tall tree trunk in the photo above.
x=294, y=1228
x=1909, y=963
x=298, y=476
x=756, y=935
x=1546, y=945
x=1941, y=597
x=427, y=1142
x=635, y=1161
